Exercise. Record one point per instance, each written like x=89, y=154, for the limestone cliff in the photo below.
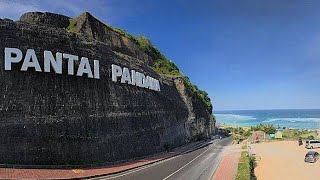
x=50, y=119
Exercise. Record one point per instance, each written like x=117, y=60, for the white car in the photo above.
x=310, y=144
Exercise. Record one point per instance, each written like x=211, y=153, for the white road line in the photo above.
x=187, y=164
x=220, y=157
x=139, y=169
x=151, y=165
x=217, y=165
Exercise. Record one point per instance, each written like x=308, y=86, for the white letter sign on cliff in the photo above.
x=11, y=55
x=30, y=61
x=55, y=62
x=136, y=78
x=49, y=61
x=84, y=67
x=71, y=59
x=96, y=69
x=116, y=72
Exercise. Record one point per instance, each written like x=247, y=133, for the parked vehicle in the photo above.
x=311, y=157
x=310, y=144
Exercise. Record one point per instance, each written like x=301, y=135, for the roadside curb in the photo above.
x=86, y=166
x=96, y=172
x=229, y=161
x=214, y=172
x=112, y=173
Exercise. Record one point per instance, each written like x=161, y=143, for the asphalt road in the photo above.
x=197, y=164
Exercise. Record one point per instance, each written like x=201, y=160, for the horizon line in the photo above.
x=267, y=109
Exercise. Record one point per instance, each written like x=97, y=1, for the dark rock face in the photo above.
x=49, y=19
x=51, y=119
x=6, y=19
x=94, y=30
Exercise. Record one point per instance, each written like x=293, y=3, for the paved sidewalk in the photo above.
x=12, y=173
x=227, y=169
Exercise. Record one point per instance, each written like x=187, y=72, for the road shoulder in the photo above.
x=227, y=168
x=34, y=173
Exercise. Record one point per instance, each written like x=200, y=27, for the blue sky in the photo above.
x=247, y=54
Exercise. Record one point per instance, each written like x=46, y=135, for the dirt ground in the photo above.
x=284, y=160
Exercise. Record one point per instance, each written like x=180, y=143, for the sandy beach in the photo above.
x=284, y=160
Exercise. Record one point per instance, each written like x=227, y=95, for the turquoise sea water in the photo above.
x=297, y=118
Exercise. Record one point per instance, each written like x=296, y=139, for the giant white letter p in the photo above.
x=116, y=72
x=9, y=58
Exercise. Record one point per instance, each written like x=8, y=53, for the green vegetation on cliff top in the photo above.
x=72, y=25
x=161, y=64
x=164, y=66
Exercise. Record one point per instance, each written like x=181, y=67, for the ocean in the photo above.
x=289, y=118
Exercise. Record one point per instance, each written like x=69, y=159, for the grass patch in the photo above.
x=124, y=33
x=246, y=167
x=72, y=25
x=162, y=65
x=239, y=133
x=244, y=147
x=296, y=134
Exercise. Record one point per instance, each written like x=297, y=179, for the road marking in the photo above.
x=220, y=157
x=136, y=170
x=217, y=165
x=187, y=164
x=139, y=169
x=154, y=164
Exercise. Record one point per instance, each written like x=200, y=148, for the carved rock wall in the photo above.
x=51, y=119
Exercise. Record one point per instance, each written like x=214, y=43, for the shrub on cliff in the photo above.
x=204, y=97
x=167, y=146
x=72, y=25
x=124, y=33
x=164, y=66
x=161, y=64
